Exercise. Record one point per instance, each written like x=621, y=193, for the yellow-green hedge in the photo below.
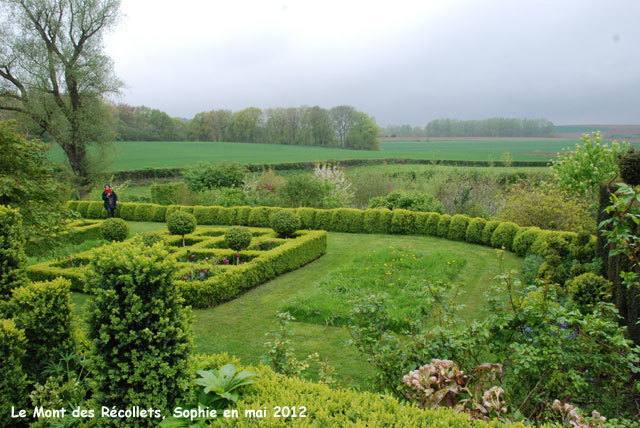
x=330, y=408
x=229, y=281
x=463, y=228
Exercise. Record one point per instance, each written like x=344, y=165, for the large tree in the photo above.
x=53, y=72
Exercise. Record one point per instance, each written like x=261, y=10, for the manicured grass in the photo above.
x=239, y=326
x=399, y=273
x=141, y=154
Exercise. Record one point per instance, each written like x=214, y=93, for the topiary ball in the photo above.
x=630, y=168
x=237, y=238
x=114, y=229
x=588, y=289
x=285, y=223
x=181, y=223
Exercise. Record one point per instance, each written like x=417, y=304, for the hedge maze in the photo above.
x=206, y=271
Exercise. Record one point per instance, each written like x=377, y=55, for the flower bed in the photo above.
x=207, y=273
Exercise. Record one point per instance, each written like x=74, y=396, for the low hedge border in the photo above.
x=330, y=407
x=489, y=233
x=227, y=281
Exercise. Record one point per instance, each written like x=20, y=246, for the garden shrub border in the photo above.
x=373, y=220
x=229, y=281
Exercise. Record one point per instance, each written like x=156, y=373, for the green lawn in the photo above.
x=239, y=326
x=137, y=154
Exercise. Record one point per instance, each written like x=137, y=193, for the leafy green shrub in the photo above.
x=503, y=235
x=114, y=229
x=402, y=222
x=181, y=223
x=168, y=193
x=13, y=384
x=458, y=227
x=630, y=167
x=225, y=197
x=139, y=330
x=12, y=257
x=443, y=225
x=285, y=223
x=524, y=239
x=242, y=215
x=589, y=289
x=546, y=207
x=96, y=210
x=412, y=201
x=432, y=224
x=583, y=248
x=376, y=220
x=307, y=217
x=582, y=170
x=488, y=231
x=475, y=230
x=226, y=215
x=43, y=310
x=305, y=190
x=530, y=268
x=203, y=176
x=539, y=245
x=237, y=238
x=149, y=238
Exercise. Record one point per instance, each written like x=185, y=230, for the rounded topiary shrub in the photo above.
x=149, y=238
x=489, y=228
x=285, y=223
x=630, y=168
x=237, y=238
x=402, y=221
x=475, y=229
x=503, y=235
x=458, y=227
x=114, y=229
x=432, y=224
x=443, y=225
x=524, y=239
x=588, y=289
x=181, y=223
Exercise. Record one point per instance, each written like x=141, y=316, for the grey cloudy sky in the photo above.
x=571, y=61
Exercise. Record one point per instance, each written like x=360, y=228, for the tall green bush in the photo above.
x=181, y=223
x=12, y=257
x=13, y=382
x=285, y=223
x=489, y=228
x=139, y=330
x=503, y=235
x=475, y=230
x=402, y=221
x=43, y=310
x=204, y=176
x=458, y=227
x=432, y=224
x=376, y=220
x=443, y=226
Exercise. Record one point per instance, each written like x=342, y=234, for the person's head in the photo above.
x=107, y=187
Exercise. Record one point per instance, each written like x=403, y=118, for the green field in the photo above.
x=135, y=155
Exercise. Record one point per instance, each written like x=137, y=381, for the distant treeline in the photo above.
x=494, y=127
x=341, y=126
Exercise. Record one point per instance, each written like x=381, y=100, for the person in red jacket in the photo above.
x=110, y=200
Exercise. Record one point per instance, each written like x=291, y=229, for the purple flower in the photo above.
x=189, y=275
x=205, y=271
x=70, y=260
x=193, y=255
x=259, y=244
x=225, y=261
x=526, y=330
x=272, y=241
x=573, y=335
x=185, y=278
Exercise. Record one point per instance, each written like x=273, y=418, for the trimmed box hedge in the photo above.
x=223, y=282
x=523, y=241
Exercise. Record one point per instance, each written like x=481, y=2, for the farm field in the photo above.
x=135, y=155
x=239, y=326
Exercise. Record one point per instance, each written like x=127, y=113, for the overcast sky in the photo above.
x=571, y=61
